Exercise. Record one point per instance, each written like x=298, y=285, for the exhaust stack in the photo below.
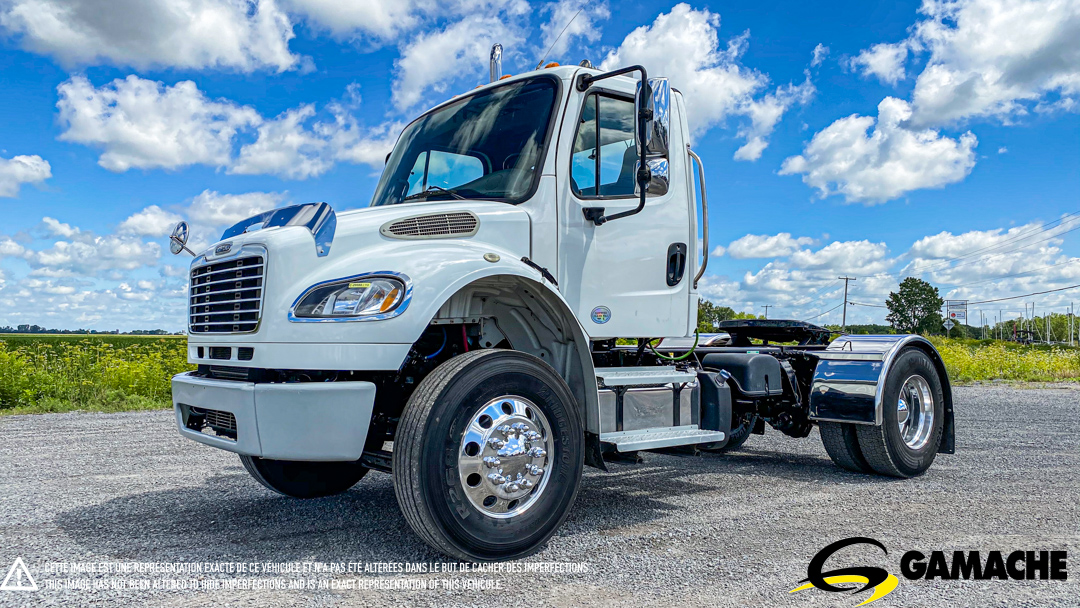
x=496, y=62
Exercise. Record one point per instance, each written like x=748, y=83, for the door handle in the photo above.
x=676, y=263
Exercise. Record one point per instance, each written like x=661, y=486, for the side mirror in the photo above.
x=655, y=101
x=657, y=105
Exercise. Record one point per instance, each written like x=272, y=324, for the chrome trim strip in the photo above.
x=406, y=299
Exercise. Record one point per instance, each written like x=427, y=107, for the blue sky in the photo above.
x=872, y=140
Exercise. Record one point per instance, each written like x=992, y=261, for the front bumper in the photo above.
x=319, y=421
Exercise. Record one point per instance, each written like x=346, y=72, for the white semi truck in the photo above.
x=461, y=332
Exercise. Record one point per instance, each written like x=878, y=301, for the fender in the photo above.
x=849, y=380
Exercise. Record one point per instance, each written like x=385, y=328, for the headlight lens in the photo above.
x=354, y=298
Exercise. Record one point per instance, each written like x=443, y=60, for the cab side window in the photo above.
x=604, y=147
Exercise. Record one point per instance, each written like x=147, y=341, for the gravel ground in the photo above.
x=678, y=529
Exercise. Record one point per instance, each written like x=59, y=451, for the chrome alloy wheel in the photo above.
x=504, y=455
x=915, y=412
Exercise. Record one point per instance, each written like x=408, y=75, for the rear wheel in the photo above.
x=841, y=441
x=907, y=441
x=304, y=479
x=488, y=456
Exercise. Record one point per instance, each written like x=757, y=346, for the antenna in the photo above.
x=557, y=38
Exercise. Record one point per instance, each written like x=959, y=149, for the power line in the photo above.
x=870, y=305
x=1037, y=293
x=1023, y=235
x=1009, y=276
x=824, y=313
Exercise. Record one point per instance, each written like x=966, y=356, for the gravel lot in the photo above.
x=678, y=529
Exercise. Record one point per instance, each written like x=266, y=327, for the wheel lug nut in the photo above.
x=492, y=461
x=504, y=429
x=537, y=453
x=513, y=487
x=496, y=443
x=535, y=470
x=497, y=479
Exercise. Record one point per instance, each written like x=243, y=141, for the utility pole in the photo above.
x=767, y=307
x=843, y=323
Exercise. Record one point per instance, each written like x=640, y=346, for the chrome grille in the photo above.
x=226, y=297
x=433, y=226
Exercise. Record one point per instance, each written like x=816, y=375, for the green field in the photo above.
x=105, y=373
x=108, y=373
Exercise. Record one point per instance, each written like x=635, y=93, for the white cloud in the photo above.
x=145, y=124
x=820, y=52
x=287, y=147
x=890, y=161
x=885, y=61
x=19, y=170
x=192, y=34
x=684, y=46
x=84, y=254
x=152, y=221
x=766, y=246
x=220, y=210
x=55, y=227
x=9, y=248
x=433, y=60
x=860, y=257
x=381, y=19
x=584, y=26
x=1002, y=150
x=991, y=58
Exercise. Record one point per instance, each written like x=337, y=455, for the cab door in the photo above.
x=629, y=277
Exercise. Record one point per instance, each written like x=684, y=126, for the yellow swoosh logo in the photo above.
x=880, y=591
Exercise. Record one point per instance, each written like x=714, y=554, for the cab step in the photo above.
x=667, y=437
x=643, y=376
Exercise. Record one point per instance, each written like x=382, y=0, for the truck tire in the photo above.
x=488, y=456
x=913, y=414
x=736, y=436
x=841, y=441
x=304, y=479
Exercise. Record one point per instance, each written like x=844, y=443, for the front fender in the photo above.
x=849, y=380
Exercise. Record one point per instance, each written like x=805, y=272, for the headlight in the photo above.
x=362, y=297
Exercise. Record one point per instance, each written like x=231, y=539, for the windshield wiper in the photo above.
x=432, y=189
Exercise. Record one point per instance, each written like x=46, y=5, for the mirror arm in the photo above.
x=644, y=115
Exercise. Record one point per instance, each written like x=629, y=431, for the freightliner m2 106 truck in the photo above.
x=460, y=333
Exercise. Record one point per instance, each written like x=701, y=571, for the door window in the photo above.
x=605, y=146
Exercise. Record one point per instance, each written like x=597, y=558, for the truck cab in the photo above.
x=461, y=332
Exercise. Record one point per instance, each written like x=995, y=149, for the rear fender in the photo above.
x=849, y=380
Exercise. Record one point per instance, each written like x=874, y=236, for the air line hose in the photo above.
x=680, y=358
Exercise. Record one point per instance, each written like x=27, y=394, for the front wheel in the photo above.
x=304, y=479
x=488, y=456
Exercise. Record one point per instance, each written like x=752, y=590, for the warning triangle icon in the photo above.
x=18, y=578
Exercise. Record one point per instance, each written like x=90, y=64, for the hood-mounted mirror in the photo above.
x=179, y=238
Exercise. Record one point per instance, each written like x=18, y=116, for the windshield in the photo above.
x=486, y=146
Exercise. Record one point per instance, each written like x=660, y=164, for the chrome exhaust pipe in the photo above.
x=496, y=62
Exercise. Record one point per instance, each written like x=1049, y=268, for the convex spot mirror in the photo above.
x=655, y=101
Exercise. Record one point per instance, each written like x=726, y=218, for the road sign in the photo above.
x=956, y=310
x=949, y=324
